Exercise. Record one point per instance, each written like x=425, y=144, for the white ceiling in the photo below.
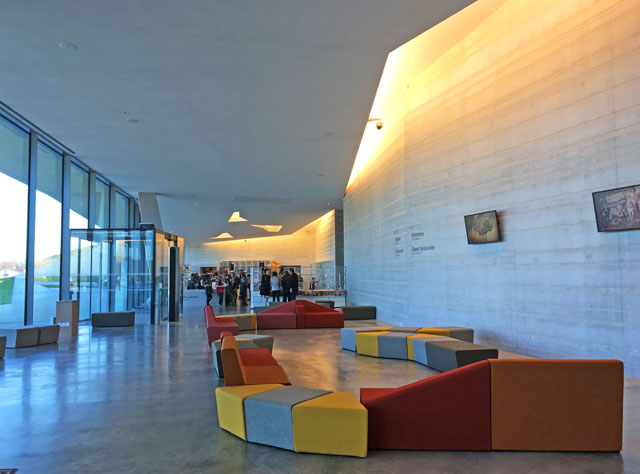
x=235, y=98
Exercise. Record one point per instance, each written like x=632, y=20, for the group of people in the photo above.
x=226, y=287
x=286, y=285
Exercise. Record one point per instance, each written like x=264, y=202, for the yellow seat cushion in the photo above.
x=410, y=353
x=380, y=328
x=367, y=343
x=435, y=331
x=230, y=402
x=335, y=423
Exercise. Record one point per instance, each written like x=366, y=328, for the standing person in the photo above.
x=265, y=287
x=285, y=283
x=293, y=283
x=243, y=288
x=220, y=290
x=209, y=289
x=275, y=287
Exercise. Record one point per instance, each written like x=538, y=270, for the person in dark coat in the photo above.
x=286, y=286
x=265, y=287
x=293, y=284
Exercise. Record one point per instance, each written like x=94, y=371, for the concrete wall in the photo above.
x=315, y=242
x=534, y=108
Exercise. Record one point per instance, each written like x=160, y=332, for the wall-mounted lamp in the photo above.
x=377, y=121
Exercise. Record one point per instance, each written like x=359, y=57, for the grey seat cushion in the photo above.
x=359, y=312
x=457, y=332
x=22, y=336
x=113, y=319
x=265, y=341
x=268, y=415
x=449, y=355
x=393, y=345
x=420, y=346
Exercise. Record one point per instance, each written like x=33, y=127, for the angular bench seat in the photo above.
x=335, y=423
x=22, y=336
x=457, y=332
x=3, y=344
x=420, y=342
x=268, y=416
x=449, y=355
x=393, y=345
x=348, y=336
x=113, y=319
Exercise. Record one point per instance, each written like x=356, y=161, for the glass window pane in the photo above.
x=122, y=211
x=14, y=171
x=102, y=205
x=79, y=201
x=47, y=234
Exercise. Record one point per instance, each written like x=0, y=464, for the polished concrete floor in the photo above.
x=141, y=399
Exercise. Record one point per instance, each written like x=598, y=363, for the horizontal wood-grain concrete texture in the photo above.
x=534, y=109
x=315, y=242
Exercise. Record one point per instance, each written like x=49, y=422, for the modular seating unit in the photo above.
x=295, y=418
x=216, y=327
x=438, y=352
x=48, y=334
x=3, y=344
x=556, y=405
x=450, y=411
x=22, y=336
x=449, y=355
x=245, y=322
x=300, y=314
x=246, y=341
x=249, y=366
x=359, y=312
x=326, y=303
x=113, y=319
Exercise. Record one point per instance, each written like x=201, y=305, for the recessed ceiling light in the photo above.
x=65, y=46
x=224, y=235
x=235, y=217
x=133, y=120
x=268, y=228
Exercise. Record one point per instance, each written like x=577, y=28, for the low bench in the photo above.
x=245, y=322
x=3, y=344
x=245, y=341
x=449, y=355
x=359, y=312
x=328, y=303
x=249, y=366
x=215, y=326
x=113, y=319
x=23, y=336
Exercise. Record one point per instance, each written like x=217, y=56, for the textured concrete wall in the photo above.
x=533, y=110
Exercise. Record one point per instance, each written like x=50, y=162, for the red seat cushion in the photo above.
x=256, y=357
x=332, y=319
x=450, y=411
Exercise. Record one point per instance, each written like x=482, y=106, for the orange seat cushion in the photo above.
x=556, y=405
x=256, y=357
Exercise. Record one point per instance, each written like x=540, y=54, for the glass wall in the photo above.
x=122, y=212
x=46, y=212
x=79, y=219
x=102, y=205
x=138, y=281
x=14, y=173
x=46, y=290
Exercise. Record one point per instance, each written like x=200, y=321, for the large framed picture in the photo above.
x=482, y=228
x=617, y=209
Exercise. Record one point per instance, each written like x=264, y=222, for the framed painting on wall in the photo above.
x=617, y=209
x=482, y=228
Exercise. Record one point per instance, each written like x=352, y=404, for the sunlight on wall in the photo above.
x=403, y=67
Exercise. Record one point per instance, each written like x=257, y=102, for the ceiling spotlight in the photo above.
x=133, y=120
x=268, y=228
x=224, y=235
x=67, y=46
x=235, y=217
x=377, y=121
